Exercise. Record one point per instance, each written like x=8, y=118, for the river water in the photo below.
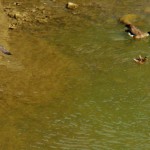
x=75, y=86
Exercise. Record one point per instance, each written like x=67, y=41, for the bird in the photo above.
x=140, y=59
x=135, y=32
x=3, y=50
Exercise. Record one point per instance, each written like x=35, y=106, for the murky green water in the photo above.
x=76, y=87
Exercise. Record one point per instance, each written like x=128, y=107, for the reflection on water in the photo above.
x=75, y=90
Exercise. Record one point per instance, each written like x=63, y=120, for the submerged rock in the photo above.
x=71, y=5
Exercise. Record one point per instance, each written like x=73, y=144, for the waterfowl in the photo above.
x=140, y=59
x=135, y=32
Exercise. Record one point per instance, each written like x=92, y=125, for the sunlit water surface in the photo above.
x=75, y=88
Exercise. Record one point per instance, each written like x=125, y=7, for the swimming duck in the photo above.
x=140, y=59
x=135, y=32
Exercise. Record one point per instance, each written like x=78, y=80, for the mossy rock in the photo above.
x=129, y=18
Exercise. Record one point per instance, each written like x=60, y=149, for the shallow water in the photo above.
x=76, y=87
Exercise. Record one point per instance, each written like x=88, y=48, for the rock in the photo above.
x=17, y=3
x=71, y=5
x=33, y=10
x=42, y=20
x=12, y=26
x=15, y=15
x=129, y=18
x=11, y=14
x=41, y=8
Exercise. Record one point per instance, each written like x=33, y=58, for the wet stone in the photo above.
x=71, y=5
x=17, y=3
x=12, y=26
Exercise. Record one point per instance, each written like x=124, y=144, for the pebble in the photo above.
x=71, y=5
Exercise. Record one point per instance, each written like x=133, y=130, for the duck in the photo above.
x=136, y=33
x=140, y=59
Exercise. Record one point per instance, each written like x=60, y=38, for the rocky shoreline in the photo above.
x=56, y=13
x=21, y=14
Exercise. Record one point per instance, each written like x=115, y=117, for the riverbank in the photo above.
x=53, y=14
x=50, y=13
